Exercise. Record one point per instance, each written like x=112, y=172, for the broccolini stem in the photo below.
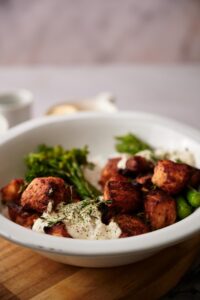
x=67, y=164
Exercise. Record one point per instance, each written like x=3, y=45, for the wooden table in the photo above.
x=27, y=275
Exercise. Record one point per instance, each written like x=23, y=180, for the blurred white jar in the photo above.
x=16, y=106
x=3, y=124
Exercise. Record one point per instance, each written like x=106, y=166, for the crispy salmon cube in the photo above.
x=125, y=196
x=136, y=165
x=57, y=230
x=194, y=180
x=144, y=180
x=12, y=191
x=160, y=209
x=21, y=217
x=42, y=190
x=110, y=170
x=171, y=177
x=119, y=177
x=130, y=225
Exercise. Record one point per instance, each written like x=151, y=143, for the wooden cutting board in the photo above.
x=27, y=275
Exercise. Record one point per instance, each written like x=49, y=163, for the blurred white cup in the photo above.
x=3, y=124
x=16, y=106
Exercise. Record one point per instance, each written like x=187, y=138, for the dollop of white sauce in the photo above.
x=50, y=206
x=148, y=154
x=82, y=221
x=122, y=162
x=184, y=156
x=39, y=225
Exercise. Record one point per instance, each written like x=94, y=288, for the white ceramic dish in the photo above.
x=16, y=106
x=3, y=124
x=98, y=131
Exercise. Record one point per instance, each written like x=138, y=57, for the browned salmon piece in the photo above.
x=160, y=209
x=57, y=230
x=12, y=191
x=194, y=180
x=145, y=180
x=130, y=225
x=136, y=165
x=125, y=196
x=21, y=217
x=42, y=190
x=171, y=177
x=110, y=170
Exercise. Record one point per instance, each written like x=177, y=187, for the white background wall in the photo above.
x=99, y=31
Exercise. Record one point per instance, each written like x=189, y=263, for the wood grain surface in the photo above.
x=27, y=275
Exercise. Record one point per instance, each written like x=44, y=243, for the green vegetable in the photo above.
x=58, y=162
x=193, y=197
x=183, y=208
x=131, y=144
x=178, y=161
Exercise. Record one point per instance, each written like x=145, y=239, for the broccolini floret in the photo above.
x=130, y=144
x=58, y=162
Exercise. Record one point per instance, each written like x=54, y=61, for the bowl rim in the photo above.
x=76, y=247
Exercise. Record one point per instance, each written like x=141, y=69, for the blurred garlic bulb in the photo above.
x=103, y=102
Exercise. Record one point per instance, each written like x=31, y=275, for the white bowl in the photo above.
x=96, y=130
